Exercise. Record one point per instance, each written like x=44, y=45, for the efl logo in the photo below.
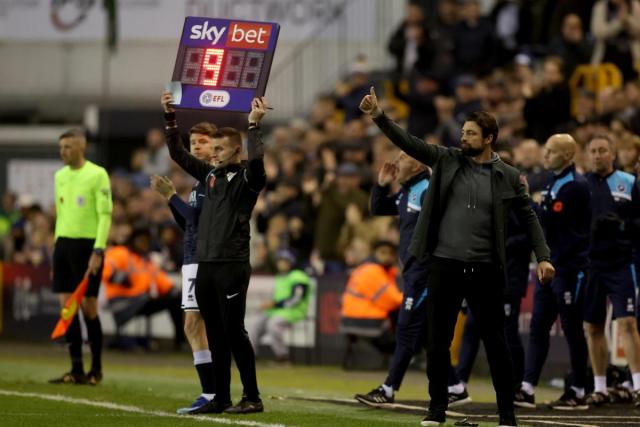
x=214, y=98
x=249, y=36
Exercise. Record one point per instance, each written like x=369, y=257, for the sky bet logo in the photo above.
x=239, y=34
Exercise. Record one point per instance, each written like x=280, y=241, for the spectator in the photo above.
x=474, y=41
x=572, y=46
x=615, y=25
x=289, y=305
x=448, y=130
x=138, y=176
x=548, y=106
x=467, y=99
x=628, y=154
x=506, y=19
x=442, y=36
x=135, y=286
x=528, y=158
x=409, y=44
x=157, y=160
x=423, y=88
x=349, y=93
x=330, y=216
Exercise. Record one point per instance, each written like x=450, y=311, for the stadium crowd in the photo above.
x=320, y=167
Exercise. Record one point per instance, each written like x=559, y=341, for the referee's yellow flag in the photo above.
x=70, y=309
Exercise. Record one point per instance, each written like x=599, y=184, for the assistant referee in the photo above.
x=83, y=218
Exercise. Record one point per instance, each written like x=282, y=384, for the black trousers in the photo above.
x=221, y=292
x=449, y=283
x=471, y=342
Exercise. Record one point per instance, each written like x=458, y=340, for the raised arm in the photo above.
x=193, y=166
x=255, y=175
x=415, y=147
x=381, y=203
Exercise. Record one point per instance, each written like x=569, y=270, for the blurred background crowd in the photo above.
x=541, y=67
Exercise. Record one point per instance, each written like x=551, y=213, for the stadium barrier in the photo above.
x=29, y=311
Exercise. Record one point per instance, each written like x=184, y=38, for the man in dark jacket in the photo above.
x=222, y=249
x=462, y=229
x=518, y=248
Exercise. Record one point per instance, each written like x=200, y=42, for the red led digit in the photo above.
x=191, y=67
x=251, y=72
x=211, y=67
x=233, y=68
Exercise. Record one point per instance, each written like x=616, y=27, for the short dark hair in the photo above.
x=233, y=135
x=73, y=133
x=602, y=136
x=203, y=128
x=487, y=123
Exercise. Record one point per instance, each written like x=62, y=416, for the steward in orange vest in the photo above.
x=371, y=296
x=135, y=286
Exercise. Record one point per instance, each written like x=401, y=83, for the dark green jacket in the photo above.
x=507, y=192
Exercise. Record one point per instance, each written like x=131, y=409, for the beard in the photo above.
x=470, y=151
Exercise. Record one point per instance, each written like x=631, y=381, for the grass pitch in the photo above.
x=146, y=389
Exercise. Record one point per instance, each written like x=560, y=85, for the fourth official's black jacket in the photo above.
x=507, y=192
x=231, y=193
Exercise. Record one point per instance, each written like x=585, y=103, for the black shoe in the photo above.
x=597, y=398
x=459, y=399
x=508, y=420
x=620, y=395
x=569, y=401
x=213, y=407
x=375, y=398
x=94, y=377
x=246, y=406
x=523, y=399
x=70, y=378
x=434, y=418
x=636, y=398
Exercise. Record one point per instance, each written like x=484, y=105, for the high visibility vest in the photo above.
x=127, y=275
x=285, y=284
x=371, y=293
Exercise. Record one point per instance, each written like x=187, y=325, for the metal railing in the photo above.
x=315, y=64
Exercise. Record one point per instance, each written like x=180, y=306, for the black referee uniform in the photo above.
x=223, y=257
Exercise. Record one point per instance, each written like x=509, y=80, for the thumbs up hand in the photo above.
x=369, y=104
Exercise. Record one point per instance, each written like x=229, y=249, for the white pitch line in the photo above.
x=558, y=423
x=135, y=409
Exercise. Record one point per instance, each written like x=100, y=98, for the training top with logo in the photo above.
x=406, y=203
x=83, y=203
x=187, y=216
x=231, y=193
x=565, y=215
x=615, y=201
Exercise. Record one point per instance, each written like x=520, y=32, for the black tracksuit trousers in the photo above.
x=221, y=292
x=481, y=284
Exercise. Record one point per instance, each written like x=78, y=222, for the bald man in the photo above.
x=83, y=217
x=565, y=215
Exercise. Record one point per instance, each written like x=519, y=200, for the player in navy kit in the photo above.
x=186, y=215
x=565, y=215
x=413, y=177
x=615, y=201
